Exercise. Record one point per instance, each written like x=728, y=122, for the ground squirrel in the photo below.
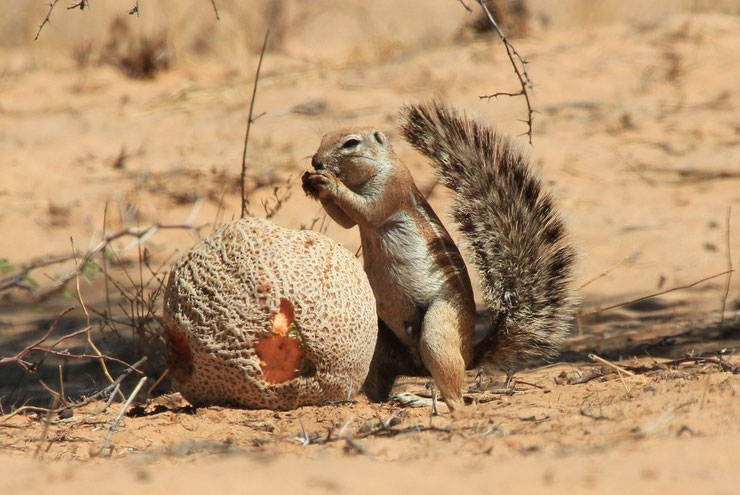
x=424, y=297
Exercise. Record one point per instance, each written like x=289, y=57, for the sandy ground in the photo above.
x=667, y=430
x=637, y=130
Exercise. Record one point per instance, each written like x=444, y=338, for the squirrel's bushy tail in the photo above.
x=514, y=234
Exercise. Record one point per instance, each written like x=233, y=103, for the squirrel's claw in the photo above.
x=308, y=185
x=407, y=399
x=319, y=184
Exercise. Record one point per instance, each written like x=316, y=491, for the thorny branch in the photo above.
x=250, y=119
x=46, y=19
x=33, y=366
x=143, y=302
x=519, y=64
x=28, y=366
x=20, y=279
x=110, y=391
x=81, y=4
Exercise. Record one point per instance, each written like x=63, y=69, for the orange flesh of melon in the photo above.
x=280, y=356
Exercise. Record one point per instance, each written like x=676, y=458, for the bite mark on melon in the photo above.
x=280, y=354
x=179, y=355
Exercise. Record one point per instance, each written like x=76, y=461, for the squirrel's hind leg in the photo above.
x=443, y=345
x=391, y=359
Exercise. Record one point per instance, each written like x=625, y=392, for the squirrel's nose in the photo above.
x=316, y=163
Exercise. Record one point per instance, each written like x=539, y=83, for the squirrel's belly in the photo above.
x=402, y=275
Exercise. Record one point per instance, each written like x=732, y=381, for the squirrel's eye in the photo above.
x=350, y=143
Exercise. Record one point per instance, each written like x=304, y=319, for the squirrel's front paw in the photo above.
x=320, y=184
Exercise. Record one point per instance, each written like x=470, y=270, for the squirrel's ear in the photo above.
x=380, y=137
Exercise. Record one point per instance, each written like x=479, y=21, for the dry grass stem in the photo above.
x=726, y=291
x=125, y=407
x=250, y=119
x=692, y=175
x=630, y=370
x=722, y=364
x=629, y=259
x=704, y=393
x=47, y=424
x=215, y=9
x=650, y=296
x=87, y=316
x=594, y=357
x=158, y=381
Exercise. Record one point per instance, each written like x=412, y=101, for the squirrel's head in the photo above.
x=354, y=155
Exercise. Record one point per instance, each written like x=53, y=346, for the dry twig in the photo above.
x=595, y=417
x=517, y=381
x=20, y=279
x=109, y=390
x=87, y=315
x=79, y=5
x=722, y=364
x=620, y=370
x=692, y=175
x=280, y=194
x=629, y=259
x=30, y=367
x=215, y=10
x=46, y=19
x=117, y=383
x=47, y=423
x=519, y=64
x=121, y=413
x=617, y=368
x=384, y=428
x=250, y=119
x=650, y=296
x=465, y=6
x=729, y=268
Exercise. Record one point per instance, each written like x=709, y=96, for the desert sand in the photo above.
x=114, y=121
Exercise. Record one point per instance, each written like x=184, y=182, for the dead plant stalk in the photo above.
x=655, y=294
x=519, y=64
x=250, y=119
x=125, y=407
x=19, y=278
